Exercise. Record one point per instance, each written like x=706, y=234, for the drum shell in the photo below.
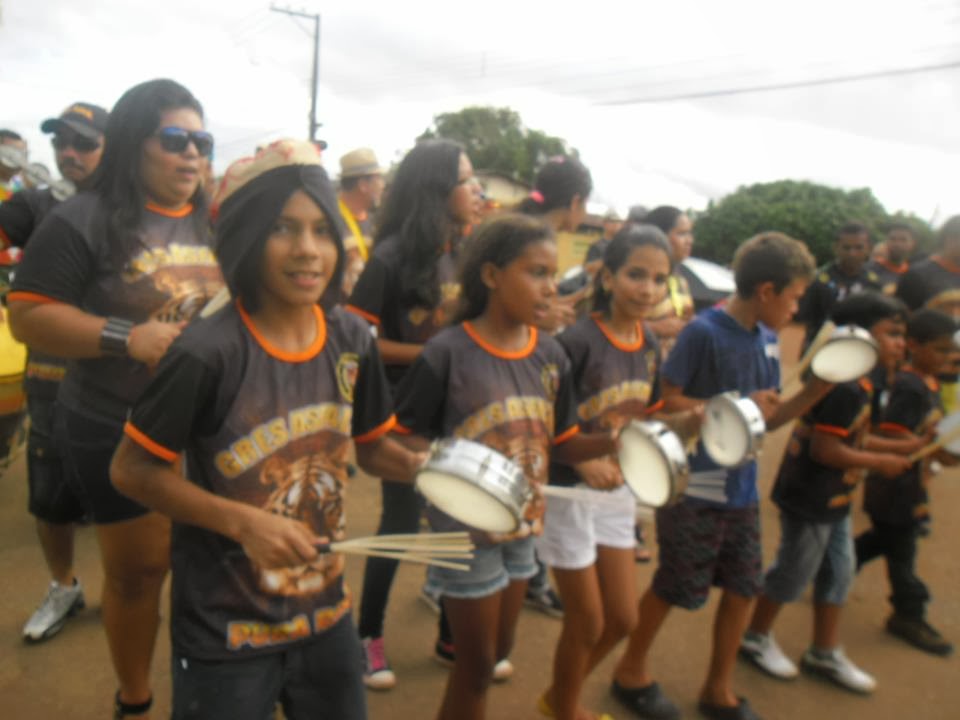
x=749, y=420
x=671, y=451
x=483, y=467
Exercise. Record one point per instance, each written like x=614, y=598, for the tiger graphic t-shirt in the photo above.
x=273, y=430
x=520, y=403
x=170, y=277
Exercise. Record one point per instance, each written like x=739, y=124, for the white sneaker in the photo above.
x=763, y=651
x=838, y=668
x=61, y=602
x=503, y=670
x=377, y=674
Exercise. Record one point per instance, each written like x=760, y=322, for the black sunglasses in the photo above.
x=175, y=140
x=77, y=142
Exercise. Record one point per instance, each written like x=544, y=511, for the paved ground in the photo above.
x=70, y=677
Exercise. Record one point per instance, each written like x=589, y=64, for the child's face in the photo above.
x=300, y=255
x=525, y=288
x=932, y=358
x=891, y=343
x=640, y=283
x=778, y=308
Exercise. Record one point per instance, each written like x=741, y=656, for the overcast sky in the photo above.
x=597, y=73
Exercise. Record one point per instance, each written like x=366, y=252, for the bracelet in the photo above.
x=114, y=336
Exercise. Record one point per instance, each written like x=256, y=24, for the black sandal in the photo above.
x=122, y=709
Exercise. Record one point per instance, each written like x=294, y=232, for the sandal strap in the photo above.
x=122, y=709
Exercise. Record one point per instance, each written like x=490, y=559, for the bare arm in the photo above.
x=585, y=446
x=830, y=450
x=786, y=410
x=69, y=332
x=388, y=458
x=269, y=540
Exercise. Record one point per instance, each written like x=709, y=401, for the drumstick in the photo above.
x=216, y=302
x=402, y=556
x=930, y=449
x=819, y=340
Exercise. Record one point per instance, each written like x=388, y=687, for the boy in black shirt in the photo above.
x=263, y=398
x=897, y=506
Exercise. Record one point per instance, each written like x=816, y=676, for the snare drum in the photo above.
x=849, y=354
x=653, y=462
x=733, y=429
x=475, y=484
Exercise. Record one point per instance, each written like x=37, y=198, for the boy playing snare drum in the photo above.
x=704, y=543
x=824, y=462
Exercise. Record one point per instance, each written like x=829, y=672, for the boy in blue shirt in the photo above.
x=704, y=543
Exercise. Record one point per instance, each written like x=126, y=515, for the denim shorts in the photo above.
x=492, y=568
x=572, y=529
x=819, y=552
x=322, y=678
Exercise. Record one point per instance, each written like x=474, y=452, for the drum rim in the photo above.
x=755, y=435
x=678, y=468
x=860, y=339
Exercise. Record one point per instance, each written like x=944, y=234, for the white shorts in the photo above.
x=572, y=529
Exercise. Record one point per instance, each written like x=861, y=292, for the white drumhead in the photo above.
x=465, y=502
x=844, y=360
x=644, y=469
x=725, y=435
x=946, y=425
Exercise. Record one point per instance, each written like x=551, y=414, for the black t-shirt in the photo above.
x=808, y=489
x=518, y=403
x=273, y=430
x=915, y=407
x=19, y=216
x=376, y=297
x=830, y=287
x=932, y=283
x=170, y=279
x=614, y=382
x=888, y=274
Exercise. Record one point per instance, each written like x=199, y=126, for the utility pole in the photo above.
x=312, y=130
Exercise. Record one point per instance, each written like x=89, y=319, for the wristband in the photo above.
x=114, y=336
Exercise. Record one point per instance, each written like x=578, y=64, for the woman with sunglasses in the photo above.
x=108, y=280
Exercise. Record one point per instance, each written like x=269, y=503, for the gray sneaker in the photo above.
x=764, y=652
x=61, y=602
x=840, y=669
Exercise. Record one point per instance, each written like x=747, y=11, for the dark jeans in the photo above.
x=898, y=544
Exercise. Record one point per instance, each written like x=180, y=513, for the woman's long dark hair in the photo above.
x=117, y=181
x=499, y=241
x=416, y=212
x=628, y=238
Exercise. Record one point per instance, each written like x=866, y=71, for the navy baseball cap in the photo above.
x=83, y=118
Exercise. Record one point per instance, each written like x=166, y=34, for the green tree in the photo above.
x=496, y=139
x=804, y=210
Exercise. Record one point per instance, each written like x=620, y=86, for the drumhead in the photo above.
x=844, y=360
x=645, y=469
x=946, y=425
x=465, y=501
x=725, y=434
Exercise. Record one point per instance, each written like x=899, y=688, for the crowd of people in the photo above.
x=209, y=358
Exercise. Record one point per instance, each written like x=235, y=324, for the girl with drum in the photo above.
x=616, y=368
x=409, y=290
x=496, y=380
x=108, y=280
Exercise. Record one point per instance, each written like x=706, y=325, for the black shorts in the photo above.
x=703, y=545
x=322, y=678
x=86, y=446
x=51, y=498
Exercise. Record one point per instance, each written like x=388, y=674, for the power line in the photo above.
x=785, y=86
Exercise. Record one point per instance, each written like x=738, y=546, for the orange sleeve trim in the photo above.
x=380, y=430
x=566, y=435
x=894, y=427
x=656, y=407
x=402, y=429
x=832, y=430
x=149, y=445
x=23, y=296
x=369, y=317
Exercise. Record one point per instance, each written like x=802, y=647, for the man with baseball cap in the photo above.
x=361, y=187
x=78, y=145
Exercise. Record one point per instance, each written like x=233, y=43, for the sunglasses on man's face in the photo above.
x=175, y=140
x=78, y=142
